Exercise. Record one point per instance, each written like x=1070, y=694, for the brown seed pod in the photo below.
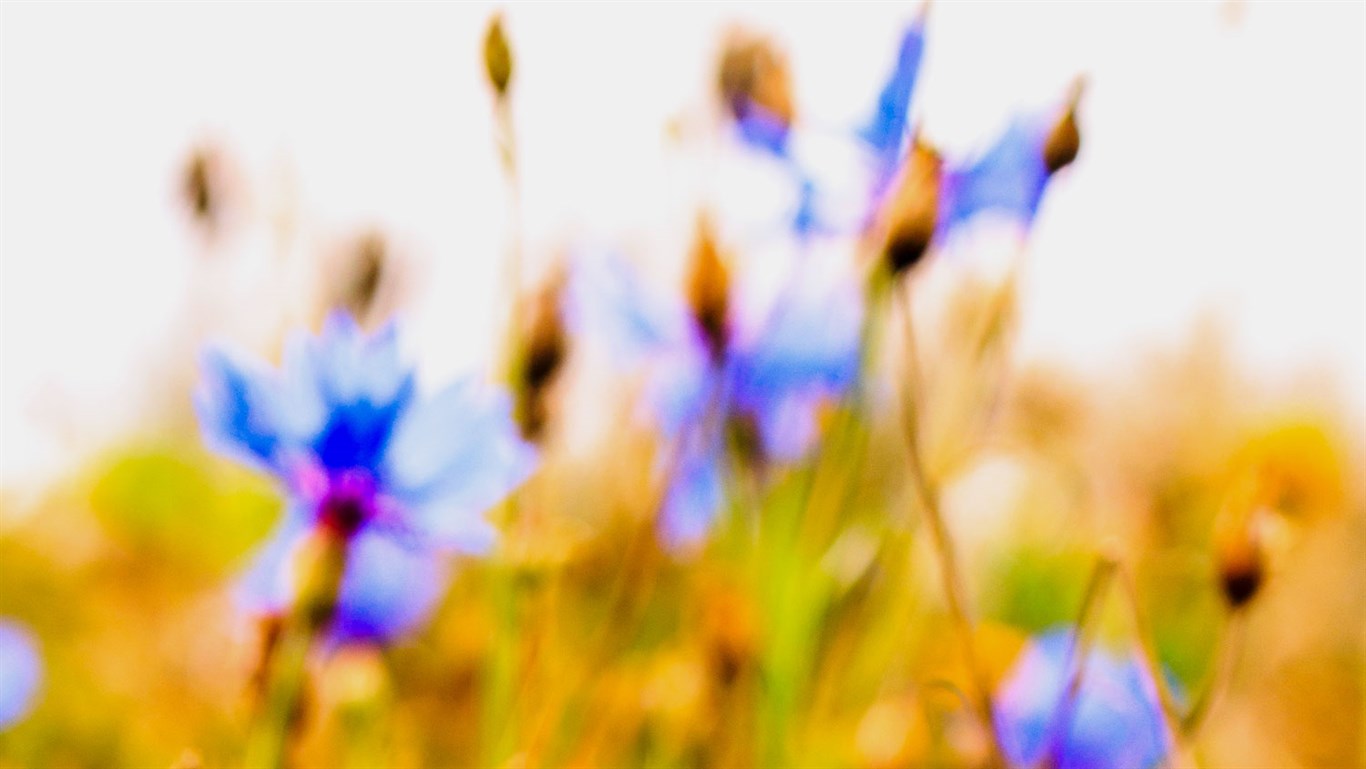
x=708, y=290
x=1064, y=140
x=497, y=56
x=1242, y=563
x=543, y=357
x=753, y=72
x=730, y=635
x=913, y=212
x=205, y=189
x=368, y=272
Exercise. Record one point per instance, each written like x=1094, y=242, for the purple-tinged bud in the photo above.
x=753, y=73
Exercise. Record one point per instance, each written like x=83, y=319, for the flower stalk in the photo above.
x=321, y=563
x=950, y=572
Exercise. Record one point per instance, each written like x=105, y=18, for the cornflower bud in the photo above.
x=1242, y=562
x=367, y=274
x=204, y=187
x=913, y=214
x=753, y=73
x=497, y=57
x=1064, y=139
x=543, y=357
x=708, y=290
x=731, y=638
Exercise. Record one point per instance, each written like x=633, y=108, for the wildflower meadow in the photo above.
x=756, y=455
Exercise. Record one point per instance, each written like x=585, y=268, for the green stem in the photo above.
x=322, y=564
x=269, y=741
x=498, y=738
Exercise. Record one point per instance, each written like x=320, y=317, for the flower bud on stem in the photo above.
x=913, y=213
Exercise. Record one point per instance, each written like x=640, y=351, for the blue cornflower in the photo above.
x=920, y=196
x=712, y=366
x=400, y=480
x=1010, y=177
x=21, y=671
x=876, y=147
x=1115, y=721
x=933, y=197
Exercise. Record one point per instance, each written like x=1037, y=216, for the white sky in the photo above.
x=1223, y=169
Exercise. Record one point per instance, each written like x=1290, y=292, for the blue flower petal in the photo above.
x=364, y=386
x=268, y=584
x=763, y=130
x=886, y=130
x=388, y=589
x=390, y=585
x=1116, y=719
x=354, y=367
x=787, y=424
x=682, y=383
x=21, y=672
x=357, y=434
x=453, y=457
x=607, y=298
x=695, y=489
x=1009, y=179
x=811, y=340
x=237, y=404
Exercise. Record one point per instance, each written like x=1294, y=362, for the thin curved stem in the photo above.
x=1078, y=651
x=1229, y=647
x=507, y=150
x=950, y=572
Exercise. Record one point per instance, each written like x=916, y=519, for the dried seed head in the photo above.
x=1242, y=563
x=1064, y=140
x=708, y=290
x=543, y=357
x=546, y=341
x=731, y=638
x=203, y=187
x=753, y=72
x=366, y=275
x=913, y=212
x=497, y=56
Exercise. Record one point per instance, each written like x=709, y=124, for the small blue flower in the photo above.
x=21, y=671
x=878, y=145
x=1115, y=720
x=885, y=132
x=772, y=374
x=1008, y=179
x=401, y=479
